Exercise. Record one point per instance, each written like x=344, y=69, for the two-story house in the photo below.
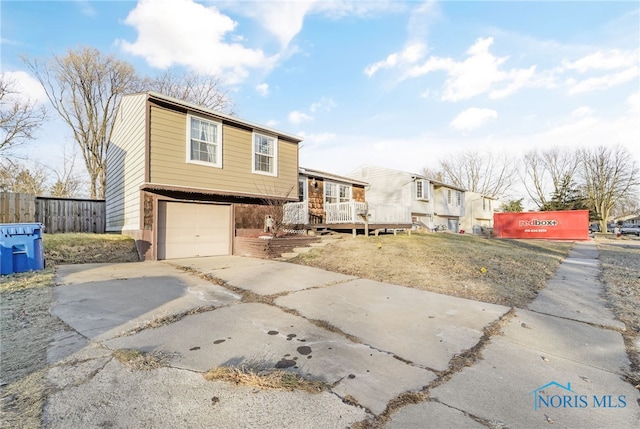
x=181, y=178
x=431, y=203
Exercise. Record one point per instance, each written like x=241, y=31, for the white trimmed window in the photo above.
x=204, y=141
x=265, y=154
x=302, y=189
x=422, y=190
x=336, y=193
x=458, y=198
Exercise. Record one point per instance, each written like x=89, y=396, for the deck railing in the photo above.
x=352, y=212
x=389, y=214
x=296, y=213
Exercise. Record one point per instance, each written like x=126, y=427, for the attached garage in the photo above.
x=193, y=229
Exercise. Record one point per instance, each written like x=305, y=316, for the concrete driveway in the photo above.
x=374, y=344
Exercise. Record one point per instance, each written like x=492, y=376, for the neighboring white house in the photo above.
x=432, y=203
x=479, y=210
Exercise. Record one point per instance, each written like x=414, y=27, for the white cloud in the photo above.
x=618, y=66
x=603, y=82
x=473, y=118
x=283, y=19
x=272, y=123
x=297, y=117
x=325, y=103
x=317, y=138
x=518, y=78
x=481, y=72
x=614, y=59
x=337, y=9
x=86, y=8
x=409, y=55
x=581, y=112
x=26, y=86
x=186, y=33
x=263, y=89
x=634, y=103
x=568, y=132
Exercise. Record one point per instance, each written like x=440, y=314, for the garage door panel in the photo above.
x=191, y=229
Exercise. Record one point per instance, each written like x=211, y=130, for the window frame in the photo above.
x=302, y=190
x=424, y=188
x=254, y=154
x=217, y=143
x=338, y=187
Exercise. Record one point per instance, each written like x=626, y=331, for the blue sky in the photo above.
x=397, y=84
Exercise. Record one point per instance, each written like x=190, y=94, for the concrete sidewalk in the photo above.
x=560, y=362
x=371, y=342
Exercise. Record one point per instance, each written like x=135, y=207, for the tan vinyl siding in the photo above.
x=168, y=159
x=125, y=165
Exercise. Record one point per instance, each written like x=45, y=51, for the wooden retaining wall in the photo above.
x=269, y=248
x=58, y=215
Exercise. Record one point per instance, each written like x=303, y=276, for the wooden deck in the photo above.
x=358, y=227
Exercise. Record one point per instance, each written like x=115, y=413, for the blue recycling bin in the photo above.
x=21, y=247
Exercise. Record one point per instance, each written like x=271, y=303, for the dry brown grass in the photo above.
x=506, y=272
x=139, y=360
x=267, y=379
x=620, y=262
x=167, y=319
x=84, y=248
x=26, y=328
x=23, y=400
x=27, y=325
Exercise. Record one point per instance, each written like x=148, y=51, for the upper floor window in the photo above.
x=458, y=198
x=422, y=190
x=265, y=154
x=336, y=193
x=204, y=141
x=449, y=196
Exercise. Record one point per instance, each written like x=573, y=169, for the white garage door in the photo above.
x=189, y=229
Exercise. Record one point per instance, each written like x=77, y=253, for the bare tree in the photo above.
x=609, y=175
x=273, y=199
x=432, y=174
x=203, y=90
x=545, y=172
x=84, y=86
x=19, y=117
x=22, y=179
x=628, y=204
x=480, y=172
x=67, y=183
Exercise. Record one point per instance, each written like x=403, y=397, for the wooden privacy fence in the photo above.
x=57, y=214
